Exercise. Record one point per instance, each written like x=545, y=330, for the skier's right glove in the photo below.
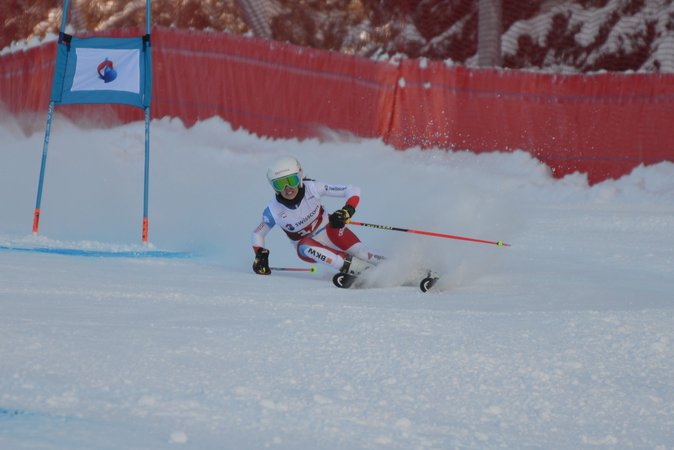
x=341, y=217
x=261, y=263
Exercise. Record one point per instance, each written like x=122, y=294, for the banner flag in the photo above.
x=103, y=70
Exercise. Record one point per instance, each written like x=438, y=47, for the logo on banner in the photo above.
x=106, y=71
x=119, y=65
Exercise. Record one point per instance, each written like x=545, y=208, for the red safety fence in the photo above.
x=602, y=124
x=25, y=79
x=269, y=88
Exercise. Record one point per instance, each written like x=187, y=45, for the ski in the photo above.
x=343, y=280
x=347, y=281
x=428, y=282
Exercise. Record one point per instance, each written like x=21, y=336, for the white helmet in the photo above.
x=283, y=167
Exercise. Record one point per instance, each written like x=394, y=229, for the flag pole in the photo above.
x=148, y=11
x=45, y=145
x=65, y=15
x=147, y=175
x=47, y=133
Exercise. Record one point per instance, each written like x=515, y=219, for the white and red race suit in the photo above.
x=305, y=222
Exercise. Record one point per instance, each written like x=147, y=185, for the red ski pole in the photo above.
x=429, y=233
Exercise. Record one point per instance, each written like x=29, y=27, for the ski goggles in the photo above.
x=292, y=181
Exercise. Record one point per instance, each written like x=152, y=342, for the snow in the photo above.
x=29, y=43
x=563, y=340
x=662, y=55
x=626, y=36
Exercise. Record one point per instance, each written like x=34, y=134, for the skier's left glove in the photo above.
x=342, y=216
x=261, y=263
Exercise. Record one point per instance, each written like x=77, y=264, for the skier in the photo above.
x=317, y=236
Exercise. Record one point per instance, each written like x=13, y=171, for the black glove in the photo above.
x=342, y=216
x=261, y=263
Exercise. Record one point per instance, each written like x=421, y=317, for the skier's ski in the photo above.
x=346, y=281
x=428, y=282
x=343, y=280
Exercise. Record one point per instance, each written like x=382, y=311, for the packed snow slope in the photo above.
x=563, y=340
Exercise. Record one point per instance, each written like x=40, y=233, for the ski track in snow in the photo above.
x=564, y=340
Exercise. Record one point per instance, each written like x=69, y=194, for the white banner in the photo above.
x=100, y=69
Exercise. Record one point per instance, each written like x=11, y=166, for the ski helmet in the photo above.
x=284, y=167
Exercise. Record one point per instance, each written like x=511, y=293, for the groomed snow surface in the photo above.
x=564, y=340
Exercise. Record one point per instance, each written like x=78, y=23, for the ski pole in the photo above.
x=429, y=233
x=311, y=269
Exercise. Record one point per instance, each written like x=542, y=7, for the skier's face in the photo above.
x=288, y=186
x=289, y=193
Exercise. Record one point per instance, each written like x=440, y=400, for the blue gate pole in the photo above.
x=65, y=15
x=147, y=174
x=148, y=11
x=45, y=145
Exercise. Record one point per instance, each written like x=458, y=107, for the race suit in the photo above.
x=305, y=222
